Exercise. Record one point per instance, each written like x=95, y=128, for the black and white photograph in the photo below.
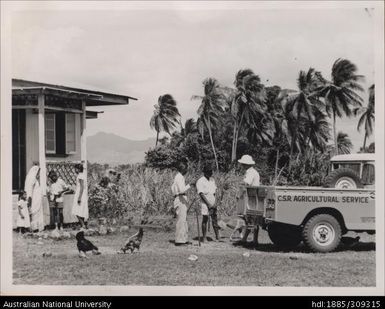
x=201, y=148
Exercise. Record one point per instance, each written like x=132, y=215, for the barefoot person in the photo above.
x=55, y=191
x=80, y=203
x=179, y=189
x=251, y=179
x=206, y=189
x=23, y=221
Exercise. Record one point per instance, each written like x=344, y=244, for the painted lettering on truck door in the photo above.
x=356, y=206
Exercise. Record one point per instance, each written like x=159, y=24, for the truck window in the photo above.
x=353, y=166
x=368, y=174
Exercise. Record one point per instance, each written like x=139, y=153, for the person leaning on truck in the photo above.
x=251, y=179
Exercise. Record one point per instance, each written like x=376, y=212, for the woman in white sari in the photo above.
x=34, y=198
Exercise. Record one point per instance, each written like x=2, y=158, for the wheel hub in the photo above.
x=324, y=234
x=345, y=183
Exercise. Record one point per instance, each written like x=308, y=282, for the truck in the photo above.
x=316, y=216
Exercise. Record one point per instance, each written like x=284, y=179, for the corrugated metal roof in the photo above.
x=92, y=97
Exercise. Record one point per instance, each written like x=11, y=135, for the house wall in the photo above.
x=32, y=138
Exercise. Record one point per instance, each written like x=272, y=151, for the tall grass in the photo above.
x=148, y=191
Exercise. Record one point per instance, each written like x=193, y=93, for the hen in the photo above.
x=133, y=242
x=85, y=245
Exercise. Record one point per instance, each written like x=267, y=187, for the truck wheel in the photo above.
x=284, y=235
x=322, y=233
x=343, y=178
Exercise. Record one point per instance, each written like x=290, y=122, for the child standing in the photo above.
x=56, y=191
x=23, y=222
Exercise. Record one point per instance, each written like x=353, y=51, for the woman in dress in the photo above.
x=34, y=198
x=80, y=203
x=179, y=189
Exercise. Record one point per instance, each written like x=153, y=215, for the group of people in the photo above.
x=30, y=202
x=206, y=191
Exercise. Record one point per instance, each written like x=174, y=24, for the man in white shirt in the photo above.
x=251, y=179
x=206, y=189
x=179, y=191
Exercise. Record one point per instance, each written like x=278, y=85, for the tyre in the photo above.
x=284, y=235
x=322, y=233
x=343, y=178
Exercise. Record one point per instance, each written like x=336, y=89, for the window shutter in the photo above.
x=50, y=133
x=70, y=133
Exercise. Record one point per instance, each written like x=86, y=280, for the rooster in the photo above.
x=85, y=245
x=133, y=242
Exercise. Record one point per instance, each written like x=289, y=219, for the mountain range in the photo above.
x=114, y=149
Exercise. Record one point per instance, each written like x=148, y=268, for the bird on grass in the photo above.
x=133, y=242
x=85, y=245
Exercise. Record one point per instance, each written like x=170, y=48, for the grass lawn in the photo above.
x=219, y=264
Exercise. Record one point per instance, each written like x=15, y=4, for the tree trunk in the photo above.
x=335, y=134
x=233, y=147
x=237, y=128
x=276, y=165
x=212, y=143
x=365, y=141
x=157, y=138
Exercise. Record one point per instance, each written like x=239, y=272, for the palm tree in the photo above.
x=247, y=105
x=166, y=116
x=344, y=144
x=317, y=131
x=367, y=116
x=301, y=105
x=340, y=94
x=190, y=127
x=210, y=109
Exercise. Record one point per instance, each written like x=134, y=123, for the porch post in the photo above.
x=41, y=128
x=83, y=140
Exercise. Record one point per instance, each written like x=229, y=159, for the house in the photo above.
x=49, y=127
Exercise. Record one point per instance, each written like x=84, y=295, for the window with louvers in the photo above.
x=50, y=133
x=70, y=133
x=60, y=133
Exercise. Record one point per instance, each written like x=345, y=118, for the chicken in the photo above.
x=85, y=245
x=133, y=242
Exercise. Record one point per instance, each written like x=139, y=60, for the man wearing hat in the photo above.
x=251, y=179
x=252, y=175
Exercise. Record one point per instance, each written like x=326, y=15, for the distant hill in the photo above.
x=113, y=149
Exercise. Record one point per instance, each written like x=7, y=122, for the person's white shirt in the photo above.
x=251, y=177
x=179, y=185
x=58, y=187
x=208, y=188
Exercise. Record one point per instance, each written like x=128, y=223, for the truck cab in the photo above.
x=351, y=171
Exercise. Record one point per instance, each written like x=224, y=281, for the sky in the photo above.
x=150, y=52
